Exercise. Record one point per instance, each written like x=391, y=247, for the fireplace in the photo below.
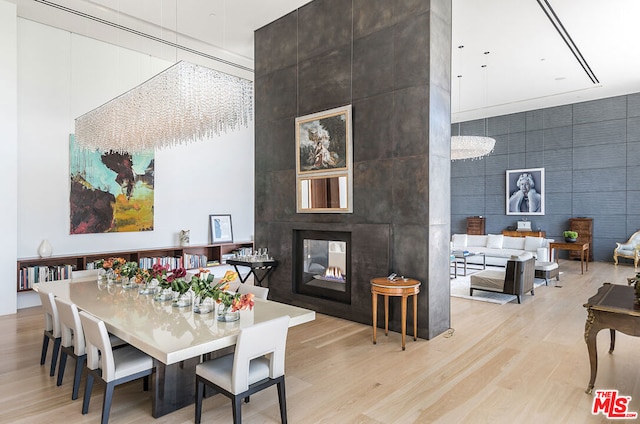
x=322, y=264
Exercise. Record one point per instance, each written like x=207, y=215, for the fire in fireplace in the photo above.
x=322, y=261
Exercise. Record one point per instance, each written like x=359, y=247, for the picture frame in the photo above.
x=220, y=228
x=525, y=191
x=323, y=141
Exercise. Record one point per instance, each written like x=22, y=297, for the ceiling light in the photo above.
x=471, y=147
x=182, y=104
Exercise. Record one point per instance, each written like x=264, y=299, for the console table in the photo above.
x=266, y=267
x=403, y=287
x=517, y=233
x=613, y=308
x=580, y=247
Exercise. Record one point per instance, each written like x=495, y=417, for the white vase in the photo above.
x=45, y=249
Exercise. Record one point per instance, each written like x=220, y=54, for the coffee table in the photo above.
x=462, y=259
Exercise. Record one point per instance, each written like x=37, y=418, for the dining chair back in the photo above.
x=72, y=342
x=113, y=367
x=257, y=363
x=259, y=292
x=51, y=330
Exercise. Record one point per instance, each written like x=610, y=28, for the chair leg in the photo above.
x=532, y=293
x=236, y=403
x=282, y=397
x=87, y=393
x=61, y=366
x=54, y=358
x=77, y=376
x=199, y=396
x=106, y=405
x=518, y=297
x=45, y=346
x=145, y=383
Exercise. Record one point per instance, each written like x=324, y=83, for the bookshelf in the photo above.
x=59, y=266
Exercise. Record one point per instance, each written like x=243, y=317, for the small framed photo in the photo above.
x=525, y=191
x=220, y=229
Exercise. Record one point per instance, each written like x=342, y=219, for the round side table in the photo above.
x=401, y=287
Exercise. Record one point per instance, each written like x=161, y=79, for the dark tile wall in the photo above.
x=389, y=59
x=590, y=152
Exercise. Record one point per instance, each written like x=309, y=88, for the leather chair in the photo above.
x=258, y=363
x=517, y=278
x=259, y=292
x=629, y=250
x=114, y=367
x=73, y=343
x=51, y=330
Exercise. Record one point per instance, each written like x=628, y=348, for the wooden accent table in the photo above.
x=516, y=233
x=613, y=308
x=398, y=287
x=581, y=247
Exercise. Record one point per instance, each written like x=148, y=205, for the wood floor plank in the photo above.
x=524, y=363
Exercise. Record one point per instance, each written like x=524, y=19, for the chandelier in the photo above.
x=471, y=147
x=182, y=104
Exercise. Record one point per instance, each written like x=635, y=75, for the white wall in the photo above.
x=8, y=156
x=63, y=75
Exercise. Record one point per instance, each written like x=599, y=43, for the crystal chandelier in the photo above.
x=471, y=147
x=182, y=104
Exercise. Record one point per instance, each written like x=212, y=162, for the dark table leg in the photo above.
x=613, y=340
x=590, y=335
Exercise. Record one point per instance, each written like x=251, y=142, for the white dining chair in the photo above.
x=257, y=363
x=112, y=366
x=51, y=330
x=73, y=343
x=259, y=292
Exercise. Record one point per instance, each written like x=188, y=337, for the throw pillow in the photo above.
x=531, y=244
x=459, y=241
x=494, y=241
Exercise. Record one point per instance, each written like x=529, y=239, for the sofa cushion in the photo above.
x=513, y=243
x=531, y=244
x=494, y=241
x=476, y=241
x=459, y=241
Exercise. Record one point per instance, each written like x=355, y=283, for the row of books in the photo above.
x=166, y=261
x=194, y=261
x=39, y=274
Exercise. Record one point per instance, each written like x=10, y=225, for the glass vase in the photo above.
x=225, y=314
x=203, y=305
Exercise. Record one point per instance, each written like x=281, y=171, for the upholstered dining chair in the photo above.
x=73, y=343
x=51, y=330
x=257, y=363
x=259, y=292
x=113, y=367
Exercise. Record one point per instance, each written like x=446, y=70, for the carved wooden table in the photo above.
x=399, y=287
x=583, y=248
x=613, y=308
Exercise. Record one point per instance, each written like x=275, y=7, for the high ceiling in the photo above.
x=528, y=64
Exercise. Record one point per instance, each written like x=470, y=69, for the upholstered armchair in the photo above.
x=517, y=278
x=629, y=250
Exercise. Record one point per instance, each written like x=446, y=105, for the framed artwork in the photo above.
x=324, y=162
x=323, y=141
x=110, y=192
x=220, y=228
x=525, y=191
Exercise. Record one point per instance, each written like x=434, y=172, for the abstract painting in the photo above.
x=110, y=192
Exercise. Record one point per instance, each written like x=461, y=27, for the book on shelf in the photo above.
x=30, y=275
x=166, y=261
x=194, y=261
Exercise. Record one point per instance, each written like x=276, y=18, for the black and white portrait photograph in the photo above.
x=525, y=191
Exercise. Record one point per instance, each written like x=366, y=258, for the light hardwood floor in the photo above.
x=508, y=363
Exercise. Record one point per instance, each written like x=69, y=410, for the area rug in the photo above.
x=460, y=288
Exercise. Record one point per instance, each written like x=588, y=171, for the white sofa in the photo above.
x=499, y=248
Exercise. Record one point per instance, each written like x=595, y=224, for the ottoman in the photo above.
x=547, y=270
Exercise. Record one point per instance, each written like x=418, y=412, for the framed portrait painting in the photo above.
x=323, y=141
x=220, y=229
x=525, y=191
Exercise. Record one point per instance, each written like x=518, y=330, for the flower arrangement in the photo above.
x=128, y=269
x=201, y=285
x=174, y=280
x=110, y=263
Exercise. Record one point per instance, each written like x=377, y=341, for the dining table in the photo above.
x=175, y=337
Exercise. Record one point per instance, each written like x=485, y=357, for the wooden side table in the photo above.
x=579, y=247
x=399, y=287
